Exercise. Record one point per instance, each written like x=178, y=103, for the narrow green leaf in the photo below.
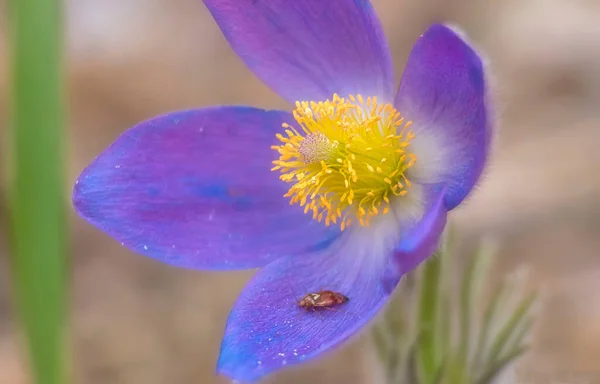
x=495, y=369
x=518, y=336
x=476, y=272
x=482, y=264
x=38, y=228
x=381, y=341
x=490, y=314
x=456, y=369
x=516, y=339
x=445, y=304
x=428, y=313
x=394, y=364
x=394, y=318
x=423, y=346
x=441, y=370
x=465, y=305
x=510, y=326
x=413, y=374
x=444, y=339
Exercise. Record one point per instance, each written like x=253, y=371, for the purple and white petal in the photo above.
x=444, y=92
x=421, y=240
x=194, y=189
x=310, y=49
x=266, y=329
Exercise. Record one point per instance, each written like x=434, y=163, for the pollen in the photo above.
x=345, y=159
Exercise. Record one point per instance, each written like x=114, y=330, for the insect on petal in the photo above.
x=267, y=329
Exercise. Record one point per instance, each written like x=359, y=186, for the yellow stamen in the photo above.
x=345, y=158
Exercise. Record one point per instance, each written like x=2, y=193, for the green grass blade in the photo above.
x=428, y=313
x=490, y=313
x=475, y=272
x=394, y=320
x=479, y=275
x=412, y=368
x=444, y=320
x=38, y=225
x=519, y=336
x=512, y=325
x=503, y=362
x=381, y=341
x=460, y=359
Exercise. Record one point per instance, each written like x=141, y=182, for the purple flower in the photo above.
x=348, y=192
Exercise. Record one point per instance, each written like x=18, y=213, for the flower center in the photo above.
x=347, y=161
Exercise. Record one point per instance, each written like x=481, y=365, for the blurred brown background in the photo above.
x=136, y=321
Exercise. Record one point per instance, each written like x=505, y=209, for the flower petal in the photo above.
x=308, y=50
x=267, y=330
x=421, y=240
x=443, y=91
x=194, y=189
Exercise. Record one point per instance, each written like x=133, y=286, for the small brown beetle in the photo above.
x=322, y=299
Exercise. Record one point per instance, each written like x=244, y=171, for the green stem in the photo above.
x=36, y=197
x=428, y=314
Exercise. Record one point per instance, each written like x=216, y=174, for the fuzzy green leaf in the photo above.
x=494, y=369
x=418, y=332
x=511, y=325
x=428, y=313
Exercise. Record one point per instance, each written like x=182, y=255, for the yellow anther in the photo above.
x=345, y=158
